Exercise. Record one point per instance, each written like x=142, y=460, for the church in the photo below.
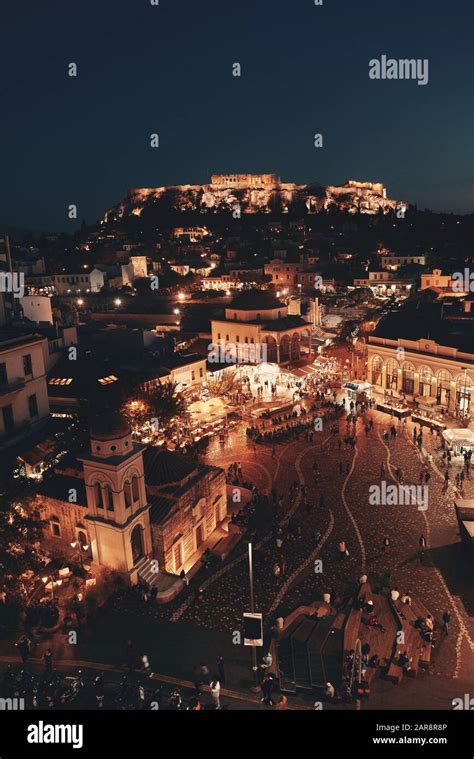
x=147, y=513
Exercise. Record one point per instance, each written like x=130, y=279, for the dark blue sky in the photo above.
x=168, y=69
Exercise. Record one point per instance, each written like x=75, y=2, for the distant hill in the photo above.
x=247, y=196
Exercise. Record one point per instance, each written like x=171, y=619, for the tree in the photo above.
x=161, y=400
x=20, y=528
x=223, y=384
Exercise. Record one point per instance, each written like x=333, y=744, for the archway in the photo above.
x=376, y=370
x=136, y=541
x=443, y=392
x=271, y=347
x=284, y=348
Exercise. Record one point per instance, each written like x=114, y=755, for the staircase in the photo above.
x=145, y=570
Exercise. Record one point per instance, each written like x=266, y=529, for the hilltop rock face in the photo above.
x=248, y=196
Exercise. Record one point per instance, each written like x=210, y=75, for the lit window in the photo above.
x=107, y=380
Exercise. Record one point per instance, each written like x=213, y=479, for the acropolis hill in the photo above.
x=256, y=193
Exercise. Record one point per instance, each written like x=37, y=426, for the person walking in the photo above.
x=23, y=645
x=221, y=669
x=216, y=694
x=422, y=545
x=386, y=542
x=48, y=661
x=267, y=688
x=446, y=621
x=330, y=691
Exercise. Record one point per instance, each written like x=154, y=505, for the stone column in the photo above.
x=416, y=384
x=399, y=379
x=452, y=397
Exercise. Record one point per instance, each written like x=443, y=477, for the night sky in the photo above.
x=168, y=69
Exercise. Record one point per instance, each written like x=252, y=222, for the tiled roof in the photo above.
x=163, y=466
x=58, y=487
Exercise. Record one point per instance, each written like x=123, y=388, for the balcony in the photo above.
x=12, y=386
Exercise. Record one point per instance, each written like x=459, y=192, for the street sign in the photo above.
x=253, y=629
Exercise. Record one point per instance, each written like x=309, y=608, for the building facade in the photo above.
x=423, y=370
x=244, y=180
x=258, y=325
x=133, y=507
x=24, y=405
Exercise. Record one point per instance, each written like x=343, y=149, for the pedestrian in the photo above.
x=330, y=691
x=395, y=594
x=23, y=645
x=267, y=661
x=386, y=542
x=48, y=661
x=422, y=544
x=221, y=669
x=446, y=621
x=146, y=665
x=184, y=577
x=216, y=693
x=267, y=687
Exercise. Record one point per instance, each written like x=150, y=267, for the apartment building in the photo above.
x=24, y=404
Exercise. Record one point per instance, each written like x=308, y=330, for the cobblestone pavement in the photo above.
x=345, y=475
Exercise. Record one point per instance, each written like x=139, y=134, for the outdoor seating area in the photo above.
x=415, y=651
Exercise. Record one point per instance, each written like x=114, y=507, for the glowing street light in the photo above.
x=117, y=302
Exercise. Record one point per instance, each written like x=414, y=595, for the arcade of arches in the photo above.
x=450, y=389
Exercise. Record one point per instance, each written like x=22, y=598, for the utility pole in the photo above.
x=252, y=609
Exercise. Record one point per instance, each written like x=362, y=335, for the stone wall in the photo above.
x=196, y=506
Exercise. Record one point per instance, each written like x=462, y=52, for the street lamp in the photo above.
x=47, y=579
x=117, y=302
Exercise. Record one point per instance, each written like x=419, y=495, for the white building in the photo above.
x=84, y=282
x=24, y=404
x=393, y=263
x=37, y=308
x=135, y=269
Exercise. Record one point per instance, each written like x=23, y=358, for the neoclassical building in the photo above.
x=256, y=317
x=423, y=370
x=131, y=505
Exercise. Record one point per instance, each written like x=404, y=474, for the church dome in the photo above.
x=109, y=426
x=255, y=300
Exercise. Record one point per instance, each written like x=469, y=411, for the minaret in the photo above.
x=117, y=509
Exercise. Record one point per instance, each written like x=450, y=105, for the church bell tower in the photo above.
x=117, y=510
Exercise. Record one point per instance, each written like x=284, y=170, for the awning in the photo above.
x=460, y=437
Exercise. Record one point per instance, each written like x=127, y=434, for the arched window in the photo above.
x=98, y=495
x=425, y=381
x=135, y=489
x=463, y=394
x=443, y=393
x=377, y=365
x=408, y=378
x=107, y=498
x=128, y=494
x=392, y=374
x=136, y=540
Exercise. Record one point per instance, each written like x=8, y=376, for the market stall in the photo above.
x=459, y=441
